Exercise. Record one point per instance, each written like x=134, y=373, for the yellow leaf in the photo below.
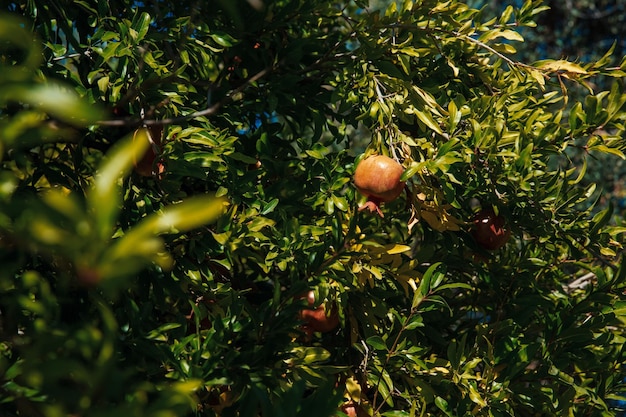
x=539, y=77
x=562, y=65
x=607, y=252
x=188, y=386
x=374, y=271
x=452, y=223
x=353, y=389
x=395, y=249
x=497, y=33
x=606, y=149
x=311, y=354
x=511, y=35
x=406, y=282
x=433, y=220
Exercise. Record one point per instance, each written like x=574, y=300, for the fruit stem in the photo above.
x=373, y=205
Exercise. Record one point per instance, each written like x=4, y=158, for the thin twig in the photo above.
x=200, y=113
x=483, y=45
x=70, y=56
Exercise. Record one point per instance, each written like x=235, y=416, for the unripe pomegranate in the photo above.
x=489, y=230
x=378, y=178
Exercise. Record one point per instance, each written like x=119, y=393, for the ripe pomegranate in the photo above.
x=352, y=409
x=88, y=276
x=204, y=324
x=489, y=229
x=378, y=178
x=253, y=167
x=146, y=166
x=225, y=398
x=316, y=319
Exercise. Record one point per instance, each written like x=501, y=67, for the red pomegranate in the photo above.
x=316, y=319
x=148, y=165
x=378, y=178
x=352, y=409
x=490, y=230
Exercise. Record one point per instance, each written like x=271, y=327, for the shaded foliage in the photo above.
x=580, y=30
x=175, y=289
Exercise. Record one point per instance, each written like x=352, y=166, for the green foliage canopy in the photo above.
x=179, y=292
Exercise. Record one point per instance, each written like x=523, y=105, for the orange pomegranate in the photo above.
x=378, y=178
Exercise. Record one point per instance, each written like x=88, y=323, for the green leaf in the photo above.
x=160, y=332
x=13, y=33
x=104, y=198
x=222, y=39
x=54, y=99
x=418, y=297
x=506, y=15
x=431, y=278
x=377, y=343
x=501, y=33
x=412, y=170
x=311, y=354
x=475, y=396
x=204, y=159
x=243, y=158
x=140, y=245
x=606, y=149
x=269, y=207
x=443, y=405
x=616, y=101
x=63, y=203
x=141, y=24
x=415, y=322
x=561, y=65
x=454, y=286
x=601, y=219
x=428, y=120
x=189, y=214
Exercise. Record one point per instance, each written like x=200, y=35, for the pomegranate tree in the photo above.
x=378, y=178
